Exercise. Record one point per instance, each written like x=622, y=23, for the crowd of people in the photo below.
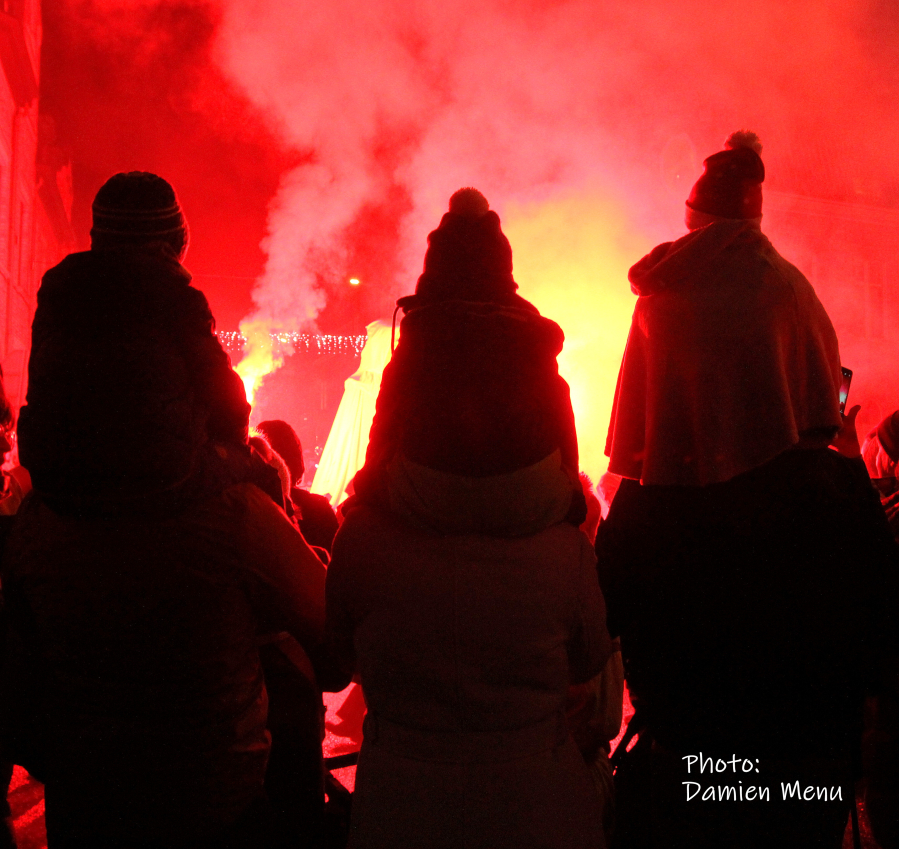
x=175, y=602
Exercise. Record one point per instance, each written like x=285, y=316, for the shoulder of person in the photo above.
x=65, y=273
x=251, y=506
x=314, y=503
x=364, y=526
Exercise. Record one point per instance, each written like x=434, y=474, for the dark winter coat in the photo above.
x=127, y=380
x=135, y=662
x=466, y=645
x=753, y=613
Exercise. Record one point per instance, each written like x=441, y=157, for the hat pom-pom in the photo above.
x=469, y=202
x=744, y=138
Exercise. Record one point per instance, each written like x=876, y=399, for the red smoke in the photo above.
x=583, y=123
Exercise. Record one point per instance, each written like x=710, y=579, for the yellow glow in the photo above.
x=259, y=358
x=354, y=281
x=572, y=255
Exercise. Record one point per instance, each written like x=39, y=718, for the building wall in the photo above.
x=848, y=252
x=35, y=215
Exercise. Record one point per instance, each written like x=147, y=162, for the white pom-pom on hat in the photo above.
x=744, y=138
x=469, y=202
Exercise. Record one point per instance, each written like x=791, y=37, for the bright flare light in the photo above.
x=259, y=357
x=572, y=255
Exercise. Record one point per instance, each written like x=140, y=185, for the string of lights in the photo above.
x=299, y=343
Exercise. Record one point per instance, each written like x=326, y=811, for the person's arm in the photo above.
x=340, y=622
x=285, y=578
x=590, y=645
x=626, y=551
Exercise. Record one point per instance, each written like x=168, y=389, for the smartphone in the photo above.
x=844, y=388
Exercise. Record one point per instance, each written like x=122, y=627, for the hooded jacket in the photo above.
x=730, y=359
x=466, y=645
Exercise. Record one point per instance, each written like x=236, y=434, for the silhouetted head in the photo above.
x=284, y=440
x=731, y=183
x=138, y=209
x=468, y=257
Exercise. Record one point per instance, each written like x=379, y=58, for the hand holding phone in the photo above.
x=846, y=441
x=844, y=387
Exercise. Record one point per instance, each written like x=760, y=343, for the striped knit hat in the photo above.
x=136, y=208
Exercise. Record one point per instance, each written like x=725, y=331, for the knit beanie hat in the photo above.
x=468, y=257
x=137, y=208
x=731, y=183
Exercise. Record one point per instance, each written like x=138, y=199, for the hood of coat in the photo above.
x=516, y=504
x=731, y=359
x=670, y=263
